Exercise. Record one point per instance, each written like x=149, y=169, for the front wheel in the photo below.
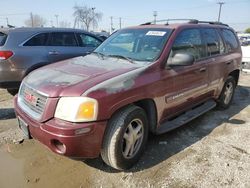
x=227, y=93
x=125, y=138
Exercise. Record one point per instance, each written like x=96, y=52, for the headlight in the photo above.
x=77, y=109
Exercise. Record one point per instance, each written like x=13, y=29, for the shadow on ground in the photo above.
x=7, y=113
x=162, y=147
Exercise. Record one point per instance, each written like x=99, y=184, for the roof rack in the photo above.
x=208, y=22
x=191, y=21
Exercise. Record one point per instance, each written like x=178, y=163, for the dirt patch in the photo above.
x=211, y=151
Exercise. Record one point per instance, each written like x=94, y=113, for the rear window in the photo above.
x=63, y=39
x=3, y=38
x=230, y=40
x=38, y=40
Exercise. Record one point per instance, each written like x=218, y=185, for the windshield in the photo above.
x=135, y=44
x=2, y=38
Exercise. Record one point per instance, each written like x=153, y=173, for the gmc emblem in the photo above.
x=30, y=98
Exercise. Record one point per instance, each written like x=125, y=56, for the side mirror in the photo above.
x=181, y=59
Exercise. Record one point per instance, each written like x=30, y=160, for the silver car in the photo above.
x=24, y=49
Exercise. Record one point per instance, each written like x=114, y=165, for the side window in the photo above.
x=230, y=40
x=63, y=39
x=38, y=40
x=88, y=41
x=189, y=41
x=213, y=42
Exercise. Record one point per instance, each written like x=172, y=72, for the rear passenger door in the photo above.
x=189, y=82
x=62, y=45
x=33, y=51
x=215, y=53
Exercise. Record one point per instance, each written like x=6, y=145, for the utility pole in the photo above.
x=220, y=3
x=120, y=22
x=56, y=15
x=155, y=15
x=93, y=17
x=32, y=19
x=111, y=25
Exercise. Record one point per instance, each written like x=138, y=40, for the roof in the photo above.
x=43, y=29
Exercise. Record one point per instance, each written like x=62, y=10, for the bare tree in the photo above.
x=35, y=21
x=86, y=16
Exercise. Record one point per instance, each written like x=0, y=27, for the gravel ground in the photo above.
x=211, y=151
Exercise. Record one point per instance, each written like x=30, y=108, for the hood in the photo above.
x=75, y=76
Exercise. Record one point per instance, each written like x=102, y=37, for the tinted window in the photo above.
x=38, y=40
x=213, y=42
x=88, y=41
x=63, y=39
x=189, y=41
x=3, y=38
x=230, y=39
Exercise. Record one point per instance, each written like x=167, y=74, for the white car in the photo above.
x=246, y=58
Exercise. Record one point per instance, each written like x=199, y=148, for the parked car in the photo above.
x=103, y=35
x=148, y=78
x=23, y=50
x=246, y=58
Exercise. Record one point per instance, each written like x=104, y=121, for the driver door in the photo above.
x=190, y=82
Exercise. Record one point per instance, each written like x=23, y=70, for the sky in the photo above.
x=236, y=13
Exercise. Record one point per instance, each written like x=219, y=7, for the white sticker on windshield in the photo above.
x=156, y=33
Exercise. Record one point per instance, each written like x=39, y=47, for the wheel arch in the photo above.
x=235, y=74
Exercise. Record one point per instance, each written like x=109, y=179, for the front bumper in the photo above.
x=81, y=140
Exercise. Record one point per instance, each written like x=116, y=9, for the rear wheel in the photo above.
x=125, y=138
x=227, y=93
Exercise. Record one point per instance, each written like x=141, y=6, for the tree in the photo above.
x=35, y=21
x=248, y=30
x=86, y=16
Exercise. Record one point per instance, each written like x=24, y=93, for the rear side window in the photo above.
x=213, y=42
x=63, y=39
x=189, y=41
x=38, y=40
x=3, y=38
x=230, y=40
x=88, y=41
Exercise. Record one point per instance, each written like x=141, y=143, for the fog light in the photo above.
x=60, y=147
x=82, y=131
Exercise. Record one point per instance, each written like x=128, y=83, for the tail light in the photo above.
x=5, y=55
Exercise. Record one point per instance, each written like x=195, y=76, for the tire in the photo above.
x=13, y=92
x=227, y=93
x=120, y=134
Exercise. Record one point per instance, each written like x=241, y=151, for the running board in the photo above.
x=186, y=117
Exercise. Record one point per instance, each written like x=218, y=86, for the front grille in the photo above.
x=31, y=101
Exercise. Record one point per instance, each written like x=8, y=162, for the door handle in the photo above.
x=53, y=53
x=202, y=69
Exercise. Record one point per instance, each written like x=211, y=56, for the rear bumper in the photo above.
x=81, y=140
x=10, y=77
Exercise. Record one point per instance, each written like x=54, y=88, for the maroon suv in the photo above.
x=149, y=78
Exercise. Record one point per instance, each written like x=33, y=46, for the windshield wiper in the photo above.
x=122, y=57
x=101, y=55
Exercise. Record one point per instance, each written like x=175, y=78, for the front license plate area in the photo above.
x=24, y=127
